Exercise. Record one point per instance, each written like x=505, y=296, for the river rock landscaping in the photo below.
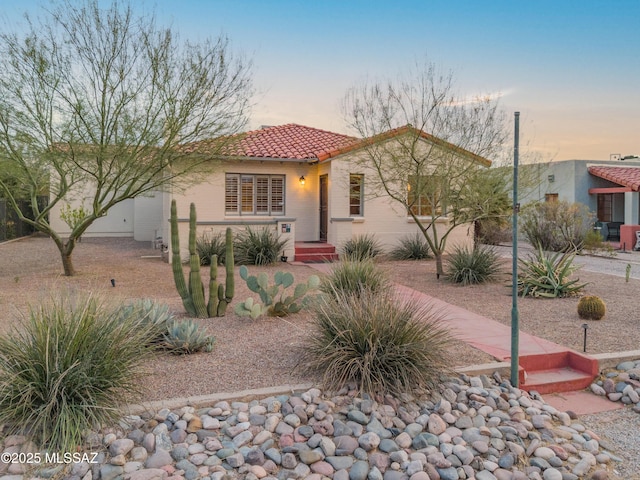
x=473, y=427
x=621, y=384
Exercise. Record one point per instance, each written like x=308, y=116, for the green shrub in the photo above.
x=210, y=244
x=591, y=307
x=258, y=247
x=493, y=231
x=383, y=344
x=349, y=276
x=69, y=367
x=470, y=266
x=547, y=275
x=275, y=302
x=361, y=247
x=411, y=247
x=593, y=243
x=556, y=226
x=185, y=336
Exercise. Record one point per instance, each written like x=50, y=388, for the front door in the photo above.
x=324, y=207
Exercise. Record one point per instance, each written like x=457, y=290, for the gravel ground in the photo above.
x=253, y=354
x=618, y=431
x=248, y=354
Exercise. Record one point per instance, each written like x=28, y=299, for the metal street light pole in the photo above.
x=514, y=289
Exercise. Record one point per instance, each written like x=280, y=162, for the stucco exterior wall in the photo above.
x=572, y=181
x=119, y=222
x=301, y=201
x=382, y=216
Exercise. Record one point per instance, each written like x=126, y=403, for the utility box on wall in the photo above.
x=287, y=231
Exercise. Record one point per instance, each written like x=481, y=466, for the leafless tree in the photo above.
x=100, y=100
x=427, y=148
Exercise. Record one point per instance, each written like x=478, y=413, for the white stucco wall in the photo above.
x=301, y=201
x=119, y=222
x=382, y=216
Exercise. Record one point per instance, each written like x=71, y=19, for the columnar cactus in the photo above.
x=221, y=295
x=192, y=295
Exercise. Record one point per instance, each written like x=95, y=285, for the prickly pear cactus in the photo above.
x=276, y=301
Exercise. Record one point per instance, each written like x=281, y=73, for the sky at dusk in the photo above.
x=571, y=67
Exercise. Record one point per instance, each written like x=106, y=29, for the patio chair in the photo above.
x=614, y=230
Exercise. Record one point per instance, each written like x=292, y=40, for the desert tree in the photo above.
x=427, y=148
x=98, y=103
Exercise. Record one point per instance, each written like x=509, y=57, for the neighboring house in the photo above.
x=608, y=188
x=304, y=183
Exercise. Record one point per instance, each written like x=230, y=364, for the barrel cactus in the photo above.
x=591, y=307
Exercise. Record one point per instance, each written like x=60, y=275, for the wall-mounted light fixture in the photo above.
x=551, y=178
x=302, y=180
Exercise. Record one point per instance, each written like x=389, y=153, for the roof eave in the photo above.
x=397, y=132
x=241, y=158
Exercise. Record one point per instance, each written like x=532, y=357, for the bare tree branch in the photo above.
x=428, y=147
x=104, y=98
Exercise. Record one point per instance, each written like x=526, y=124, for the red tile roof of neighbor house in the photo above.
x=298, y=142
x=625, y=176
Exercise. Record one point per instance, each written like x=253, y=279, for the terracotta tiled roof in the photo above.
x=298, y=142
x=625, y=176
x=401, y=131
x=290, y=141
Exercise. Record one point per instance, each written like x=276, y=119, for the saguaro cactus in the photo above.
x=221, y=295
x=192, y=295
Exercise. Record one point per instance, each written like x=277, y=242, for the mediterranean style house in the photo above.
x=303, y=182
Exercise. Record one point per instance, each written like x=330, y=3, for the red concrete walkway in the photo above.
x=481, y=332
x=494, y=338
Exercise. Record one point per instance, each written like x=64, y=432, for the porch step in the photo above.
x=315, y=252
x=557, y=372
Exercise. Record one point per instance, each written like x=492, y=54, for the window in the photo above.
x=254, y=194
x=605, y=207
x=550, y=197
x=424, y=195
x=356, y=195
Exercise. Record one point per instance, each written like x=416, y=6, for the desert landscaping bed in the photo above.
x=265, y=352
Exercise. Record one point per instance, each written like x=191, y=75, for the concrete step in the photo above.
x=318, y=257
x=313, y=247
x=557, y=372
x=315, y=252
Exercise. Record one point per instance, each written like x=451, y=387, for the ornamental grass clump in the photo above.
x=361, y=247
x=349, y=276
x=382, y=344
x=68, y=368
x=411, y=247
x=210, y=244
x=471, y=266
x=262, y=246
